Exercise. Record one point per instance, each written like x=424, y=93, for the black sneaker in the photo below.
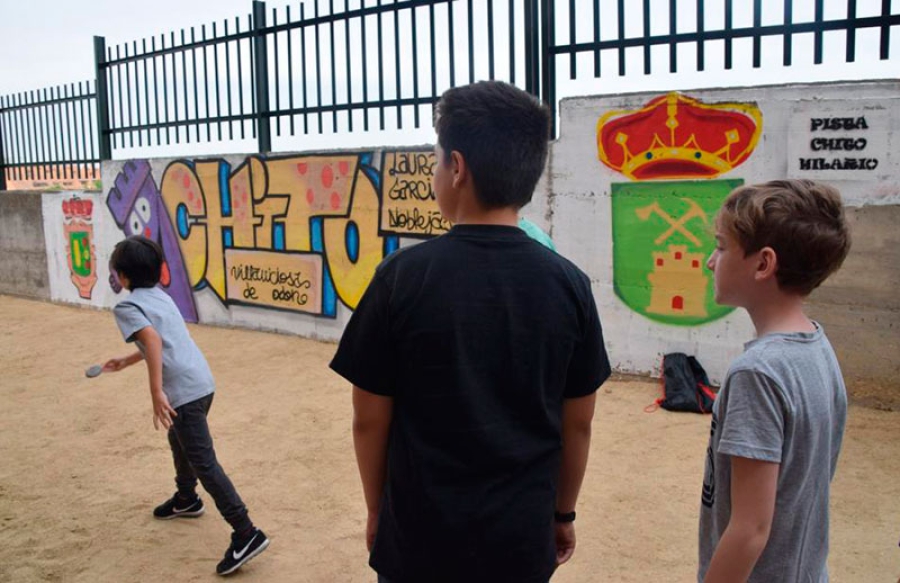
x=175, y=507
x=241, y=550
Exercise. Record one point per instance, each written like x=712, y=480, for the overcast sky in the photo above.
x=50, y=42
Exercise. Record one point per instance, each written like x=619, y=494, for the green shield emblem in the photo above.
x=663, y=233
x=80, y=249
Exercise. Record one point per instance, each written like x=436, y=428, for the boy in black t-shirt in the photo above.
x=475, y=358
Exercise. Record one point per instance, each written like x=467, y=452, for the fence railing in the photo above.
x=310, y=71
x=49, y=134
x=381, y=65
x=695, y=31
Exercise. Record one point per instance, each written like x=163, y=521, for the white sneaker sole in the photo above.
x=194, y=514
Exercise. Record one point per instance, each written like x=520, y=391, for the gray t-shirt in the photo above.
x=186, y=374
x=783, y=401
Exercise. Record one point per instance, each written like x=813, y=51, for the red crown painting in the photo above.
x=677, y=137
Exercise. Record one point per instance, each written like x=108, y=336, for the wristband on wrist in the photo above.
x=564, y=516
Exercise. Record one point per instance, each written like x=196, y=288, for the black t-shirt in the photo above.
x=478, y=335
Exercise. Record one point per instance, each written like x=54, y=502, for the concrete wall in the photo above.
x=23, y=259
x=289, y=242
x=859, y=305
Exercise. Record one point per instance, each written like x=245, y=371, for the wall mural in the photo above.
x=80, y=251
x=138, y=209
x=671, y=149
x=295, y=233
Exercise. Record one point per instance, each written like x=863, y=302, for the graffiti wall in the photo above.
x=283, y=240
x=289, y=242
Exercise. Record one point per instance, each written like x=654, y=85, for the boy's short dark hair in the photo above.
x=801, y=220
x=502, y=132
x=139, y=259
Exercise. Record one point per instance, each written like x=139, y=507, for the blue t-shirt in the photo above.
x=537, y=233
x=186, y=374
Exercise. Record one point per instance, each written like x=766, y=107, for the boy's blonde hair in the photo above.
x=801, y=220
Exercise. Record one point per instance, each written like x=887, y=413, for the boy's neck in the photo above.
x=781, y=313
x=470, y=212
x=502, y=216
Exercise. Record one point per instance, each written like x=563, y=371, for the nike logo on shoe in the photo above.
x=235, y=557
x=180, y=510
x=239, y=555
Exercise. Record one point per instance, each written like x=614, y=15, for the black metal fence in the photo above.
x=379, y=66
x=696, y=31
x=309, y=70
x=49, y=134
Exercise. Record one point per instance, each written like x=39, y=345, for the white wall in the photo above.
x=580, y=198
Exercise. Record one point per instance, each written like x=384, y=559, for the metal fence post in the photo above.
x=532, y=44
x=2, y=159
x=261, y=65
x=103, y=137
x=548, y=61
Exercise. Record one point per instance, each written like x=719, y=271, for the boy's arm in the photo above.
x=372, y=416
x=152, y=343
x=577, y=415
x=753, y=487
x=117, y=364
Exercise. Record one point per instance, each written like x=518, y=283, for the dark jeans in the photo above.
x=195, y=458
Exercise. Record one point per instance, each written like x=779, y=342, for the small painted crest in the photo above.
x=80, y=252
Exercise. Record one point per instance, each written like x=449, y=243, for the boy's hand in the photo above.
x=116, y=364
x=565, y=541
x=371, y=530
x=162, y=411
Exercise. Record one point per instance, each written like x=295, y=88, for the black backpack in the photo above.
x=685, y=385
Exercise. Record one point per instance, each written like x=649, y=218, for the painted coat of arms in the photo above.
x=80, y=252
x=672, y=149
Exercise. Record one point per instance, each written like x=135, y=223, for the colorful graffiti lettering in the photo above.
x=296, y=233
x=80, y=251
x=661, y=230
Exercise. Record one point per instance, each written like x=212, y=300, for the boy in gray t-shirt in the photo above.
x=182, y=389
x=779, y=419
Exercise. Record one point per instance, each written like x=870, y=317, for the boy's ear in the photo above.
x=767, y=264
x=459, y=167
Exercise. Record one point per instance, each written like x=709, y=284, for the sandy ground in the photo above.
x=81, y=468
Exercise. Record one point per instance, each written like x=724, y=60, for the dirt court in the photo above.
x=81, y=468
